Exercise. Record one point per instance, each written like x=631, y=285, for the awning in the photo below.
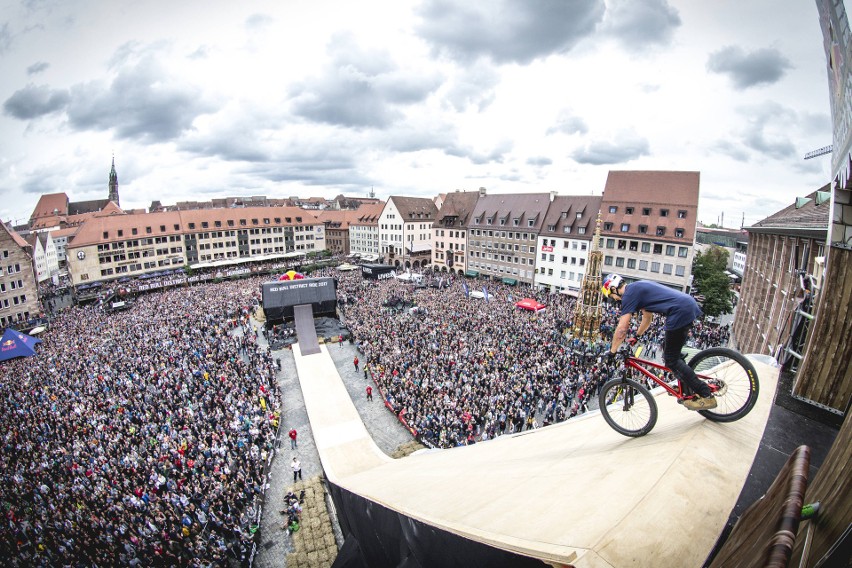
x=510, y=281
x=530, y=304
x=570, y=292
x=472, y=273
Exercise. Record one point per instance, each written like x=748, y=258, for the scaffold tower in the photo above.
x=588, y=311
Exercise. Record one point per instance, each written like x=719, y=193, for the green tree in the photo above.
x=711, y=281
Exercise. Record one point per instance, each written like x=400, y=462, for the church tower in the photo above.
x=588, y=310
x=113, y=184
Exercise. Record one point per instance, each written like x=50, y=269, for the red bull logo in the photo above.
x=7, y=345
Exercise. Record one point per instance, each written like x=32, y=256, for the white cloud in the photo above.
x=292, y=98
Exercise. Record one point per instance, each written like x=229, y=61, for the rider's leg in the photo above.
x=673, y=343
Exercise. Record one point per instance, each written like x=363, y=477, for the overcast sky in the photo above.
x=318, y=98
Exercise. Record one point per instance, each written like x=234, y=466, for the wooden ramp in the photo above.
x=573, y=493
x=305, y=330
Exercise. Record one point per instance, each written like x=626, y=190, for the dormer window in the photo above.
x=531, y=223
x=516, y=222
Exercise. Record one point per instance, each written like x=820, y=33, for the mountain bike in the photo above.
x=629, y=408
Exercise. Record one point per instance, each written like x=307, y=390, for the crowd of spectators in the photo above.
x=461, y=369
x=139, y=438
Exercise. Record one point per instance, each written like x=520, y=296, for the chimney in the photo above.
x=552, y=196
x=481, y=192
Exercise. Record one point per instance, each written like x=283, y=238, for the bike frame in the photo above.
x=642, y=365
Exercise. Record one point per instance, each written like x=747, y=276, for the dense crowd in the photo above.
x=460, y=369
x=138, y=438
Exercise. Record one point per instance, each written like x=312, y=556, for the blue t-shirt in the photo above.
x=680, y=309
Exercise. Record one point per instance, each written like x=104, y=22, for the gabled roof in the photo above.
x=507, y=206
x=91, y=206
x=412, y=209
x=652, y=187
x=458, y=207
x=50, y=205
x=19, y=240
x=808, y=214
x=563, y=213
x=368, y=213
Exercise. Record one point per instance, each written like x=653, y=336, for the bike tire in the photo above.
x=625, y=411
x=736, y=377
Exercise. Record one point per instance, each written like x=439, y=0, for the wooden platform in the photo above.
x=575, y=492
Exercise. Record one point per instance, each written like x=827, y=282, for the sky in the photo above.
x=202, y=99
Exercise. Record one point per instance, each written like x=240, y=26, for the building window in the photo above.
x=643, y=265
x=670, y=250
x=625, y=227
x=619, y=262
x=134, y=231
x=608, y=260
x=646, y=211
x=607, y=226
x=613, y=209
x=191, y=226
x=622, y=244
x=682, y=252
x=661, y=231
x=610, y=243
x=628, y=210
x=655, y=267
x=664, y=212
x=681, y=213
x=581, y=230
x=634, y=246
x=658, y=249
x=631, y=263
x=679, y=270
x=667, y=269
x=679, y=233
x=643, y=229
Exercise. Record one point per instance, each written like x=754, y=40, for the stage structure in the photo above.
x=281, y=297
x=378, y=271
x=588, y=311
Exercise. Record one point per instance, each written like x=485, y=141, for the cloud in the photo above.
x=601, y=152
x=506, y=31
x=760, y=67
x=568, y=123
x=33, y=102
x=5, y=38
x=771, y=130
x=143, y=102
x=638, y=26
x=360, y=88
x=496, y=155
x=473, y=89
x=37, y=68
x=539, y=161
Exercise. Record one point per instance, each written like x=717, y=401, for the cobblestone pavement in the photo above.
x=274, y=543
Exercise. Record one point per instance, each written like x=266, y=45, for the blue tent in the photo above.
x=17, y=344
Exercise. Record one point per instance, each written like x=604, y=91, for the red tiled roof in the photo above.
x=48, y=203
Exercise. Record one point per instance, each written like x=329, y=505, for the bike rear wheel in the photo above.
x=628, y=407
x=733, y=380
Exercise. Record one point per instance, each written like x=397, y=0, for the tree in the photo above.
x=711, y=281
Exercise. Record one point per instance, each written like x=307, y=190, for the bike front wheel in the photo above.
x=733, y=380
x=628, y=407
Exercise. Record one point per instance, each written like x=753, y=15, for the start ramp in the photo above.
x=572, y=494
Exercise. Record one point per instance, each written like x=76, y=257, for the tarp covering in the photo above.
x=530, y=304
x=17, y=344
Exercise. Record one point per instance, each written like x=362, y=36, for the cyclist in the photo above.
x=680, y=311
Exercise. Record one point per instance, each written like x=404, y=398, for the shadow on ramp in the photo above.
x=305, y=330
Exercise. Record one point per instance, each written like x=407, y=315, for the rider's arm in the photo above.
x=647, y=318
x=620, y=332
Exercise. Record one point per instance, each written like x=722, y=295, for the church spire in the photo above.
x=113, y=184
